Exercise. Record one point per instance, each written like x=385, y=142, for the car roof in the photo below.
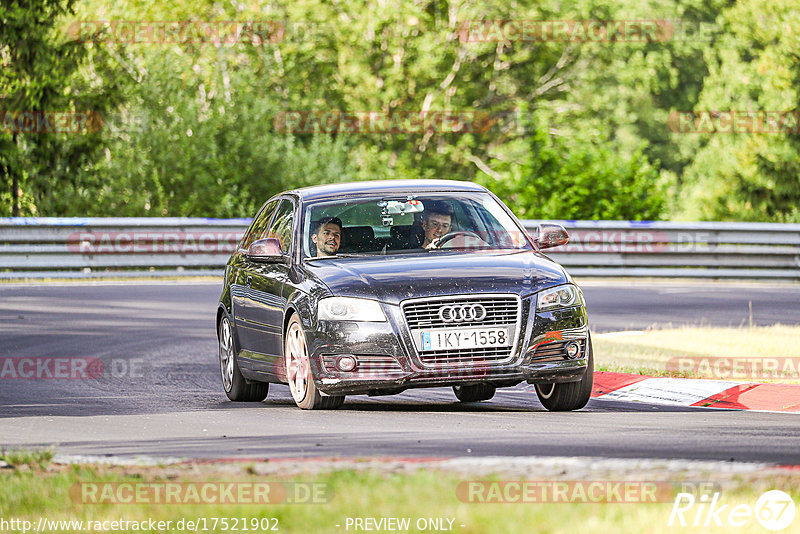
x=318, y=192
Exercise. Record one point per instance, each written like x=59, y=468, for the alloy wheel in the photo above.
x=226, y=354
x=297, y=363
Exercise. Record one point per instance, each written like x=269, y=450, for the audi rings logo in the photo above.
x=462, y=313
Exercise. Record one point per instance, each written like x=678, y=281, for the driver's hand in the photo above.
x=433, y=244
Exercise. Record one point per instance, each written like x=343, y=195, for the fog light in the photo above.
x=573, y=350
x=346, y=363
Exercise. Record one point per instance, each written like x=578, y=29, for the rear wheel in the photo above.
x=236, y=387
x=571, y=395
x=298, y=371
x=474, y=393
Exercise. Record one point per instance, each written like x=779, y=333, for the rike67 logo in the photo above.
x=774, y=510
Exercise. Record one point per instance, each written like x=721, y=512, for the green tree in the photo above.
x=38, y=65
x=189, y=128
x=756, y=67
x=577, y=178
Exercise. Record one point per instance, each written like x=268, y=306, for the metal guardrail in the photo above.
x=111, y=246
x=678, y=249
x=130, y=247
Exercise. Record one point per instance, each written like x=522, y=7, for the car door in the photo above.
x=240, y=290
x=259, y=311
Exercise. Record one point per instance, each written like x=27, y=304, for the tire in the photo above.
x=298, y=371
x=474, y=393
x=234, y=384
x=572, y=395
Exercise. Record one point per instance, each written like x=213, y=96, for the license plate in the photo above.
x=464, y=338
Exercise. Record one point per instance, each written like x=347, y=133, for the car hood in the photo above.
x=395, y=278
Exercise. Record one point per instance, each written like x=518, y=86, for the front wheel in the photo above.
x=474, y=393
x=298, y=371
x=572, y=395
x=235, y=385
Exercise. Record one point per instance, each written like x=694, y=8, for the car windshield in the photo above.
x=409, y=223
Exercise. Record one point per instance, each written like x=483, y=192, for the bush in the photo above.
x=578, y=178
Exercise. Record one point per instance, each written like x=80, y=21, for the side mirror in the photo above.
x=266, y=250
x=551, y=235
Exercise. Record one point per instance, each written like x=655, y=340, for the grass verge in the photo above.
x=429, y=497
x=757, y=354
x=19, y=458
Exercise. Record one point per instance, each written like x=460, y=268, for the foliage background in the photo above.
x=581, y=129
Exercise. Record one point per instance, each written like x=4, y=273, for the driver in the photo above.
x=327, y=236
x=437, y=221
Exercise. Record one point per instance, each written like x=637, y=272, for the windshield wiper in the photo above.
x=343, y=255
x=471, y=247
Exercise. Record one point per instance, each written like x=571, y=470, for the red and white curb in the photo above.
x=696, y=392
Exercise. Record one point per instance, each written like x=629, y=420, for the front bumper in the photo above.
x=389, y=362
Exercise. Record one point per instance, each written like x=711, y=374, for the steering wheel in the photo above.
x=452, y=235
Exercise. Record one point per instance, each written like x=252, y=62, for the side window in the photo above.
x=472, y=219
x=281, y=226
x=259, y=226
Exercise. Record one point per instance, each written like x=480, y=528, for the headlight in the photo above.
x=559, y=297
x=350, y=309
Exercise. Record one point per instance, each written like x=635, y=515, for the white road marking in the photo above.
x=669, y=391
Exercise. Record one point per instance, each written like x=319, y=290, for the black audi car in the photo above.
x=377, y=287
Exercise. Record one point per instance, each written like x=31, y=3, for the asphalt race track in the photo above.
x=159, y=393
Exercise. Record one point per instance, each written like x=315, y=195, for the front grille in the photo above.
x=375, y=366
x=548, y=352
x=465, y=356
x=501, y=310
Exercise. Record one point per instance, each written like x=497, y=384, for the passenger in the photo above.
x=437, y=221
x=327, y=236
